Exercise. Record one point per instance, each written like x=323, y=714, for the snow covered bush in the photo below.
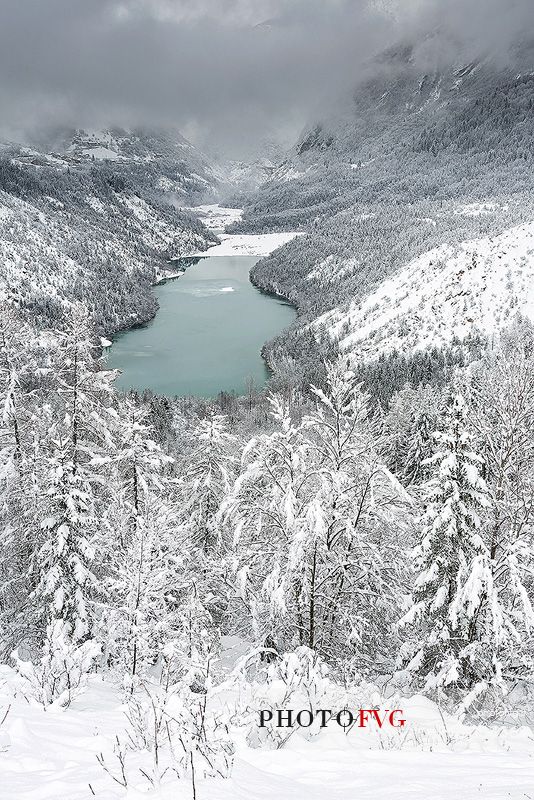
x=61, y=672
x=296, y=680
x=317, y=519
x=174, y=732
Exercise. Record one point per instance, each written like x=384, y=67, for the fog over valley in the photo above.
x=225, y=75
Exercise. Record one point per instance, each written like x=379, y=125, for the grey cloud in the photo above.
x=201, y=65
x=210, y=66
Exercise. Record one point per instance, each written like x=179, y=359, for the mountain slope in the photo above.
x=385, y=178
x=88, y=234
x=448, y=293
x=161, y=161
x=405, y=128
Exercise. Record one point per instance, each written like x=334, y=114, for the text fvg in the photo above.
x=359, y=718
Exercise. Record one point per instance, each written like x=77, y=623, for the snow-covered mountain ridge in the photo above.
x=448, y=292
x=160, y=160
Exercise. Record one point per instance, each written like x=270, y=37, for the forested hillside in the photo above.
x=86, y=231
x=158, y=160
x=416, y=159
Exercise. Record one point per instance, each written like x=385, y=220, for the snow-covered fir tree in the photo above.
x=69, y=514
x=65, y=520
x=456, y=612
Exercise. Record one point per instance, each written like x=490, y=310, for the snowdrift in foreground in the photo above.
x=478, y=286
x=52, y=755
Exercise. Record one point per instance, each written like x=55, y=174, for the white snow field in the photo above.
x=249, y=244
x=52, y=755
x=216, y=218
x=449, y=291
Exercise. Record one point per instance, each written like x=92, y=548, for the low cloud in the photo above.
x=228, y=72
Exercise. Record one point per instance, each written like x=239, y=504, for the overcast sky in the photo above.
x=226, y=72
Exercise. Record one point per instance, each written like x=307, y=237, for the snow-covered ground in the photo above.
x=52, y=755
x=101, y=153
x=216, y=217
x=478, y=285
x=245, y=244
x=476, y=209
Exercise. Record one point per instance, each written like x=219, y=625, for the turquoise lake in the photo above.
x=207, y=334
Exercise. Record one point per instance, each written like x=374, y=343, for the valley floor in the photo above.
x=243, y=244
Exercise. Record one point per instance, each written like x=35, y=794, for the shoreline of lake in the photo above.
x=197, y=343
